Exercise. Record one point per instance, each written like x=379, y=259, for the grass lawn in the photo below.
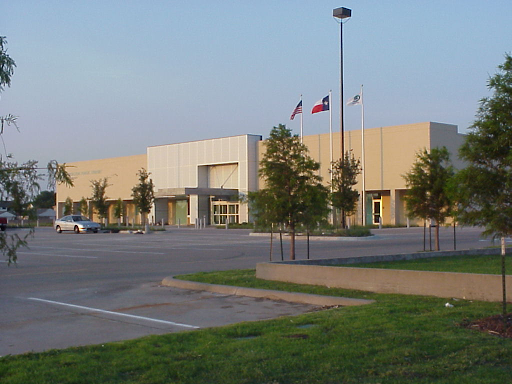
x=398, y=339
x=487, y=264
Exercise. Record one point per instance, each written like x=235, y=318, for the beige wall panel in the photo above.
x=120, y=171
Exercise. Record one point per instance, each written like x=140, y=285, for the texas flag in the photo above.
x=321, y=105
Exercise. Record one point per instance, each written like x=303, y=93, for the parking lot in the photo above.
x=70, y=290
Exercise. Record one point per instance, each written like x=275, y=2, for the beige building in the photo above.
x=121, y=174
x=204, y=180
x=389, y=154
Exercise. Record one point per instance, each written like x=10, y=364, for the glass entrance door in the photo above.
x=225, y=212
x=376, y=211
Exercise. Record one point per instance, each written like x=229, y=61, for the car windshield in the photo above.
x=80, y=218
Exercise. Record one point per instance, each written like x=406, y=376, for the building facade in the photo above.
x=206, y=181
x=389, y=154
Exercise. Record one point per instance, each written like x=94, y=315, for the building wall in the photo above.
x=389, y=154
x=121, y=173
x=233, y=162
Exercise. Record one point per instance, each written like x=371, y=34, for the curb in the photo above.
x=318, y=238
x=294, y=297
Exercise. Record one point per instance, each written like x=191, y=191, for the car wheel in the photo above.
x=95, y=231
x=58, y=229
x=77, y=230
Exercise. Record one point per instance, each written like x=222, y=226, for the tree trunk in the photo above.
x=281, y=240
x=271, y=239
x=292, y=243
x=308, y=243
x=437, y=236
x=503, y=277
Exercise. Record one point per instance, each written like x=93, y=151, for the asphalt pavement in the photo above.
x=70, y=290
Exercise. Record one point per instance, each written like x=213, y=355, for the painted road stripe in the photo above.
x=54, y=255
x=113, y=313
x=99, y=250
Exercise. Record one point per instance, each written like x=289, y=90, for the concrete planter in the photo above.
x=441, y=284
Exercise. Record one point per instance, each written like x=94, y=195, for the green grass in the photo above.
x=487, y=264
x=398, y=339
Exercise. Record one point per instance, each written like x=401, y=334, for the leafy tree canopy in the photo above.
x=20, y=182
x=293, y=193
x=428, y=181
x=99, y=198
x=45, y=199
x=485, y=185
x=344, y=176
x=485, y=196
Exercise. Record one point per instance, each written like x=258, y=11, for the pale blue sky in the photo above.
x=99, y=79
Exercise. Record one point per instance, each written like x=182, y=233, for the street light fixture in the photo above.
x=341, y=13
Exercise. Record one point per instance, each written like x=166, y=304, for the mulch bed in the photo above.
x=493, y=325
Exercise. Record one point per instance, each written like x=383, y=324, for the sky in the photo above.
x=100, y=79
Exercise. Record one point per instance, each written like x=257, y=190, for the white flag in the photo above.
x=357, y=99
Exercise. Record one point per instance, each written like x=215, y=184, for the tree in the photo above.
x=118, y=210
x=45, y=199
x=143, y=194
x=68, y=206
x=344, y=177
x=20, y=182
x=290, y=177
x=83, y=207
x=428, y=197
x=316, y=210
x=7, y=66
x=99, y=198
x=485, y=185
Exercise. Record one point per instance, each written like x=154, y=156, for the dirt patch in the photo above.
x=494, y=325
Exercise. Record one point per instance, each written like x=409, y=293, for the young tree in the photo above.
x=143, y=194
x=68, y=206
x=485, y=185
x=84, y=207
x=344, y=177
x=118, y=210
x=99, y=198
x=289, y=174
x=316, y=210
x=428, y=181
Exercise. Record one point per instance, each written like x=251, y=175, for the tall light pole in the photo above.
x=341, y=13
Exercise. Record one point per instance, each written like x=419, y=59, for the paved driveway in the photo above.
x=70, y=290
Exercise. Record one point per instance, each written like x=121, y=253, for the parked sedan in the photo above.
x=76, y=223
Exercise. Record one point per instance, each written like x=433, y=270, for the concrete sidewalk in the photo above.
x=294, y=297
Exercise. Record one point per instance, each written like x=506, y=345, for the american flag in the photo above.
x=297, y=110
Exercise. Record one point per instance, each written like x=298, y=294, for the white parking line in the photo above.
x=54, y=255
x=114, y=313
x=100, y=250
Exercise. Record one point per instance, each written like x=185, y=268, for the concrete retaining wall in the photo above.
x=441, y=284
x=294, y=297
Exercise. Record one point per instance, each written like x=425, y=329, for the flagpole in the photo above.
x=363, y=158
x=330, y=132
x=301, y=123
x=330, y=148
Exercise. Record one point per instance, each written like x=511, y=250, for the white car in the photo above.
x=76, y=223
